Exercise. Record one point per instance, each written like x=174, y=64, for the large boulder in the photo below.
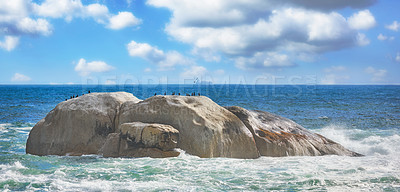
x=78, y=126
x=120, y=125
x=279, y=136
x=205, y=128
x=142, y=140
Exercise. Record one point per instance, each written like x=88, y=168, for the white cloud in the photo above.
x=241, y=30
x=123, y=20
x=98, y=12
x=26, y=17
x=398, y=57
x=334, y=69
x=362, y=39
x=85, y=68
x=165, y=61
x=362, y=20
x=382, y=37
x=10, y=42
x=394, y=26
x=69, y=9
x=264, y=60
x=18, y=77
x=378, y=75
x=194, y=71
x=332, y=79
x=335, y=75
x=331, y=5
x=30, y=26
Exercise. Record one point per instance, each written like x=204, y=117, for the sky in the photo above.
x=210, y=41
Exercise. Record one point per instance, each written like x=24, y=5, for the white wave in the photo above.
x=363, y=141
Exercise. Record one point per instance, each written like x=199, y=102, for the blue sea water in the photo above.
x=365, y=119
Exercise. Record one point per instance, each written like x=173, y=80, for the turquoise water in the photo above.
x=365, y=119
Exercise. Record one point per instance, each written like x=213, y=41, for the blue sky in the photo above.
x=178, y=41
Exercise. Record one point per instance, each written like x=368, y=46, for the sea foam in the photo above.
x=367, y=142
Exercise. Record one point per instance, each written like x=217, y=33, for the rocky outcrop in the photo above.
x=278, y=136
x=142, y=140
x=78, y=126
x=120, y=125
x=205, y=128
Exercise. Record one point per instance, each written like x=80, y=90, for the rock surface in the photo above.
x=205, y=128
x=120, y=125
x=279, y=136
x=154, y=135
x=77, y=126
x=142, y=140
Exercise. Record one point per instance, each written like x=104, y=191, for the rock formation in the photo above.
x=141, y=140
x=278, y=136
x=205, y=128
x=120, y=125
x=77, y=126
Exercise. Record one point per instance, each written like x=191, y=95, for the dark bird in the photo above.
x=155, y=94
x=173, y=93
x=66, y=99
x=179, y=93
x=198, y=94
x=73, y=96
x=76, y=95
x=89, y=91
x=165, y=93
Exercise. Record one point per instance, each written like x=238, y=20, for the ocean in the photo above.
x=363, y=118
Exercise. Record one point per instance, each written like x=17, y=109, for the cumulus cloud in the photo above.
x=335, y=75
x=86, y=68
x=31, y=26
x=243, y=30
x=362, y=20
x=9, y=43
x=362, y=39
x=15, y=19
x=332, y=5
x=194, y=71
x=164, y=60
x=18, y=77
x=332, y=79
x=69, y=9
x=264, y=60
x=26, y=17
x=378, y=75
x=382, y=37
x=123, y=20
x=394, y=26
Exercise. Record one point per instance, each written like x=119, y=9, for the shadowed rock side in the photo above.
x=142, y=140
x=205, y=128
x=278, y=136
x=77, y=126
